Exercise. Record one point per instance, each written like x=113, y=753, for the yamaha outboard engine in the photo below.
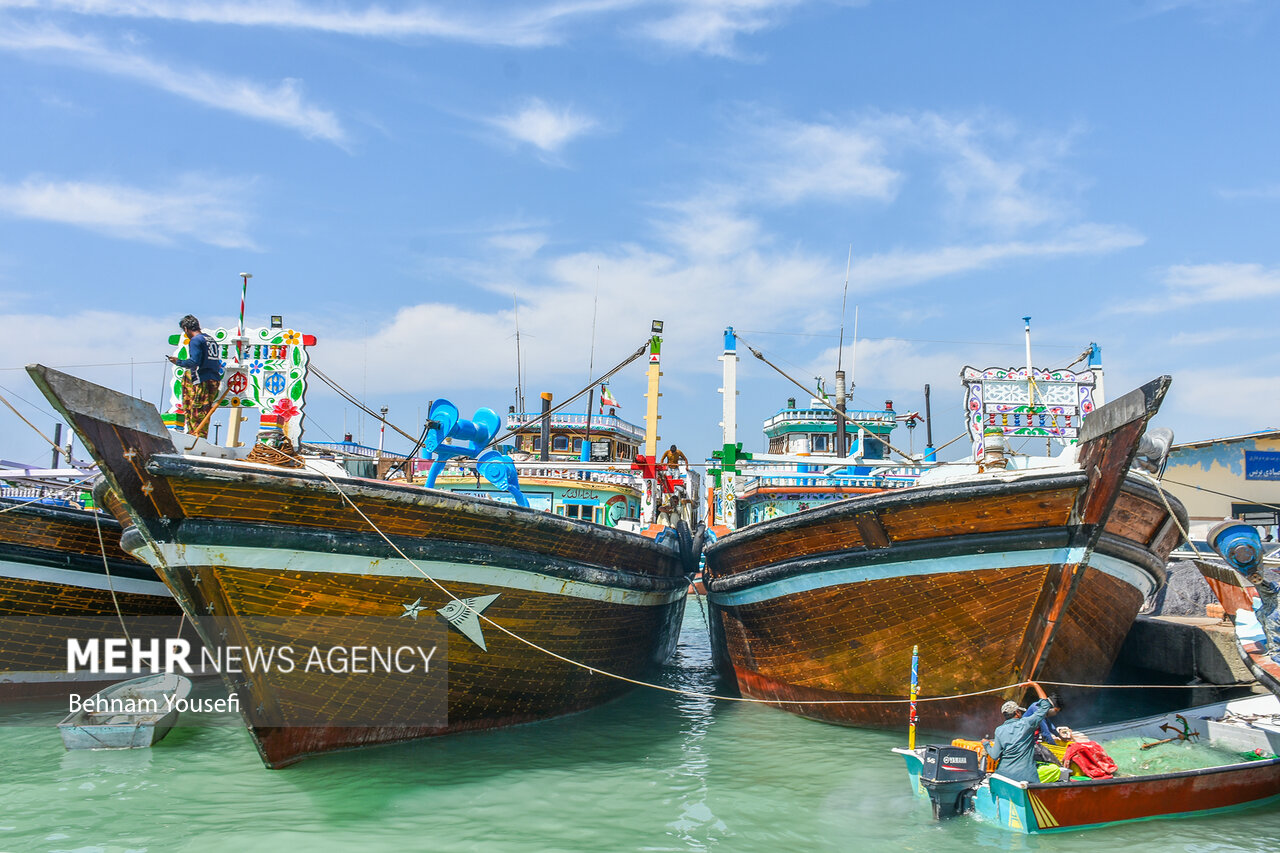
x=1239, y=544
x=950, y=776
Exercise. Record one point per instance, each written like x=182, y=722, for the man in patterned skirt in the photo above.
x=202, y=378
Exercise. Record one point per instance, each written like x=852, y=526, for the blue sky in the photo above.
x=394, y=175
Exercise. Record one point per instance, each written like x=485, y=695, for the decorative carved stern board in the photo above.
x=268, y=373
x=1000, y=398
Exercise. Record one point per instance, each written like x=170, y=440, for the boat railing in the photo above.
x=883, y=417
x=602, y=423
x=576, y=471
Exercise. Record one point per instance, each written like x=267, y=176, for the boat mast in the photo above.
x=1031, y=387
x=237, y=414
x=651, y=437
x=519, y=367
x=726, y=512
x=840, y=388
x=591, y=366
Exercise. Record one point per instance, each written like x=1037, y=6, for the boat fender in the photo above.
x=688, y=557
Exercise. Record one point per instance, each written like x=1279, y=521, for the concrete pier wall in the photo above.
x=1187, y=647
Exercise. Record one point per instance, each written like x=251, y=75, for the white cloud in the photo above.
x=825, y=161
x=1198, y=284
x=994, y=174
x=1265, y=193
x=713, y=26
x=521, y=244
x=195, y=207
x=282, y=105
x=704, y=26
x=913, y=267
x=1199, y=398
x=545, y=127
x=1212, y=337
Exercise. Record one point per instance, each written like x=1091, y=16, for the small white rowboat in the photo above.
x=130, y=715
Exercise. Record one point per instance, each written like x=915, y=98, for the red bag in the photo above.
x=1090, y=758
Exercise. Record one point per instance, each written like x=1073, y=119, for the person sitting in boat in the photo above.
x=1046, y=733
x=1015, y=739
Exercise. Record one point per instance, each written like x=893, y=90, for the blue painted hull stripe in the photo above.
x=1112, y=566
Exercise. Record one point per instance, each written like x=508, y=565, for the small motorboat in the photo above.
x=1231, y=753
x=133, y=714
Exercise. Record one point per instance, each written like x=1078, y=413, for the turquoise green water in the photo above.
x=650, y=772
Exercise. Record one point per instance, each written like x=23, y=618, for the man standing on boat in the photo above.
x=674, y=458
x=1014, y=742
x=203, y=376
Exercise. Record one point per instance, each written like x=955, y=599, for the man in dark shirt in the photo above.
x=202, y=377
x=1015, y=739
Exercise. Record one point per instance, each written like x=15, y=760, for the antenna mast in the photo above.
x=841, y=430
x=591, y=367
x=519, y=367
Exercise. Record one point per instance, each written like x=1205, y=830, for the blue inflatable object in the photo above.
x=1237, y=543
x=450, y=436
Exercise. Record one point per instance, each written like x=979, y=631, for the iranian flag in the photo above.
x=606, y=399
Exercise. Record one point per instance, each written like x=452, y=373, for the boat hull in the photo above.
x=1236, y=594
x=561, y=614
x=54, y=587
x=1066, y=806
x=996, y=580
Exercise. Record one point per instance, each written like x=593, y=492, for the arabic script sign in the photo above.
x=1261, y=465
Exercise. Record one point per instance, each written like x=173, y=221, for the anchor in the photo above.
x=1179, y=734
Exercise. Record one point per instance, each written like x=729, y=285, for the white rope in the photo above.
x=1163, y=499
x=102, y=547
x=678, y=691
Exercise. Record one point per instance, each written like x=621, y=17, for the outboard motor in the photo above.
x=950, y=776
x=1237, y=543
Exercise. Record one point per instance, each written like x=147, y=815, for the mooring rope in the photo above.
x=1165, y=500
x=696, y=694
x=102, y=547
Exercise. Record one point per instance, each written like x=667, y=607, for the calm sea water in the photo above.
x=649, y=772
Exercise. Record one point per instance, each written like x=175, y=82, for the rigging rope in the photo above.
x=102, y=547
x=590, y=385
x=52, y=443
x=839, y=413
x=696, y=694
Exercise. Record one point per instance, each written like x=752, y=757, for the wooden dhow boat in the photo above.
x=999, y=575
x=494, y=614
x=63, y=576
